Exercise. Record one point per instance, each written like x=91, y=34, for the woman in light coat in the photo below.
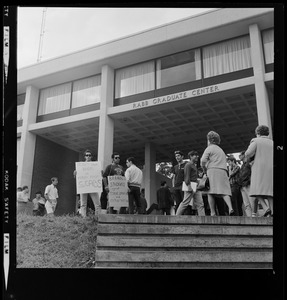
x=213, y=162
x=261, y=151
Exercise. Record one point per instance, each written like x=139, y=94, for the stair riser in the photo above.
x=185, y=265
x=186, y=256
x=188, y=242
x=184, y=229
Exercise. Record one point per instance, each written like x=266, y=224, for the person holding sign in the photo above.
x=189, y=186
x=89, y=181
x=134, y=178
x=113, y=169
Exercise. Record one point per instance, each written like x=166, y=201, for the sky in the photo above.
x=72, y=29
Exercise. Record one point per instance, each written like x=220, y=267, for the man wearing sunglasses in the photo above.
x=113, y=169
x=84, y=197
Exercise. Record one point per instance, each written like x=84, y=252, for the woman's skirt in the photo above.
x=218, y=181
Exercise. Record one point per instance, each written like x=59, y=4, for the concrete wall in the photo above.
x=51, y=160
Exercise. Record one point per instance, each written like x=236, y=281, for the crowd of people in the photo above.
x=234, y=190
x=41, y=205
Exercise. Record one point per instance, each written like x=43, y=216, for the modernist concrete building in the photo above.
x=146, y=95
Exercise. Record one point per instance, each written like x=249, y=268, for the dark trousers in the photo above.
x=206, y=204
x=41, y=209
x=178, y=196
x=154, y=206
x=221, y=206
x=134, y=197
x=236, y=200
x=104, y=199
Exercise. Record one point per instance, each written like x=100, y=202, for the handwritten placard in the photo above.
x=89, y=177
x=118, y=191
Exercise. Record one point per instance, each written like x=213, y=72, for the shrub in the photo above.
x=67, y=241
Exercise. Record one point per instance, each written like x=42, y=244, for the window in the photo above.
x=18, y=149
x=54, y=99
x=20, y=106
x=135, y=79
x=178, y=68
x=226, y=57
x=268, y=45
x=86, y=91
x=20, y=112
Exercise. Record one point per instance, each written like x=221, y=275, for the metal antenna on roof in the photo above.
x=42, y=34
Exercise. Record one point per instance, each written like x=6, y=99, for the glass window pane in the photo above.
x=227, y=57
x=178, y=68
x=20, y=112
x=135, y=79
x=21, y=99
x=54, y=99
x=86, y=91
x=268, y=44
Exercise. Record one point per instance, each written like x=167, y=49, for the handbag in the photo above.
x=203, y=184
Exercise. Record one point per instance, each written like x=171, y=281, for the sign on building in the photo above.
x=118, y=191
x=89, y=177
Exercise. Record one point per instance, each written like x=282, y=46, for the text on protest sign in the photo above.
x=89, y=177
x=118, y=191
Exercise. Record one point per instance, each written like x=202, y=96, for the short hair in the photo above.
x=113, y=155
x=88, y=151
x=163, y=182
x=262, y=130
x=192, y=152
x=132, y=159
x=178, y=152
x=39, y=192
x=25, y=187
x=213, y=137
x=54, y=178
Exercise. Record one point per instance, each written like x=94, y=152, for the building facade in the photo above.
x=147, y=95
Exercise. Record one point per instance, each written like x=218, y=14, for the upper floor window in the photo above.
x=226, y=57
x=54, y=99
x=268, y=44
x=86, y=91
x=20, y=112
x=178, y=68
x=135, y=79
x=20, y=106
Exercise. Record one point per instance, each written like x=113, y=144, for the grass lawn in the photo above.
x=56, y=242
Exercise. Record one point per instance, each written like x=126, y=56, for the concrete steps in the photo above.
x=153, y=241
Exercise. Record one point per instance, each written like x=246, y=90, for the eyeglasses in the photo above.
x=88, y=155
x=117, y=157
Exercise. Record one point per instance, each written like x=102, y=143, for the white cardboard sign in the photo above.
x=89, y=177
x=118, y=191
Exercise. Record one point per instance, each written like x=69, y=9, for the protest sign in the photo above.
x=118, y=191
x=89, y=177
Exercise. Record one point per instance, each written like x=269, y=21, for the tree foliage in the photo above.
x=164, y=168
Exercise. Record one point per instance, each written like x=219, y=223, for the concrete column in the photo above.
x=257, y=56
x=150, y=174
x=28, y=140
x=106, y=124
